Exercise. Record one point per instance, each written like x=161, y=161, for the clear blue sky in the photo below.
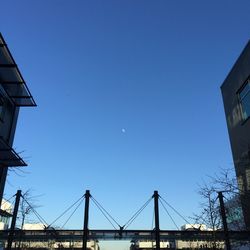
x=129, y=100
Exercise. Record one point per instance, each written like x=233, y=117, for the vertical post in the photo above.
x=13, y=221
x=157, y=224
x=86, y=220
x=224, y=220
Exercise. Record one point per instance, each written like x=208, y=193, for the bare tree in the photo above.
x=27, y=206
x=209, y=208
x=226, y=182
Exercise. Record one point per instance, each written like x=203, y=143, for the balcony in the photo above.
x=8, y=156
x=11, y=79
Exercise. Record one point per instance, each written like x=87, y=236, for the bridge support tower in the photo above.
x=14, y=217
x=86, y=221
x=157, y=224
x=224, y=220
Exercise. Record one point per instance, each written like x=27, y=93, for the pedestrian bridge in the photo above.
x=119, y=232
x=131, y=235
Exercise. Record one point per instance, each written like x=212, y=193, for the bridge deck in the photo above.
x=77, y=235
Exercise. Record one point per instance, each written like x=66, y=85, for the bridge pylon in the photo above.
x=157, y=224
x=13, y=221
x=224, y=220
x=86, y=220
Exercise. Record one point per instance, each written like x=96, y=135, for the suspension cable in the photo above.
x=72, y=213
x=128, y=223
x=103, y=211
x=40, y=218
x=66, y=211
x=176, y=212
x=169, y=215
x=35, y=212
x=106, y=212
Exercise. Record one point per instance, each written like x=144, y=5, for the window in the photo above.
x=244, y=97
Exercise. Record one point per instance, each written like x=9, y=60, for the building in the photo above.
x=201, y=227
x=52, y=244
x=14, y=94
x=235, y=220
x=5, y=214
x=34, y=226
x=199, y=244
x=147, y=245
x=91, y=245
x=180, y=244
x=236, y=97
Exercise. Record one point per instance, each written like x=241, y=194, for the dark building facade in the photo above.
x=236, y=97
x=13, y=95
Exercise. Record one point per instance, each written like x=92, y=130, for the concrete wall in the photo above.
x=238, y=129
